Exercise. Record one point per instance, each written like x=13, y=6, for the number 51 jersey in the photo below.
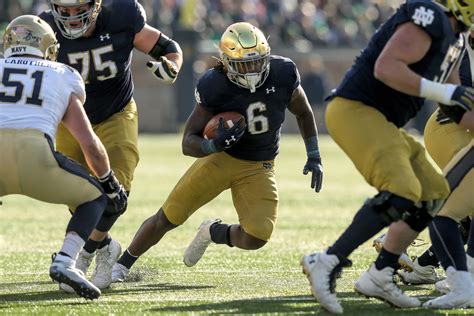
x=34, y=93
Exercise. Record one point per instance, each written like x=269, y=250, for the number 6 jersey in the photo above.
x=34, y=93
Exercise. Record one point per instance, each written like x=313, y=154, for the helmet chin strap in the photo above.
x=250, y=81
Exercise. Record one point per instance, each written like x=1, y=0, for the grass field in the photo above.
x=225, y=281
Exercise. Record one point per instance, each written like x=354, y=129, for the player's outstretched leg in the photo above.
x=199, y=244
x=322, y=269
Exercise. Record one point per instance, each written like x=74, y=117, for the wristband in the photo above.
x=208, y=147
x=439, y=92
x=312, y=148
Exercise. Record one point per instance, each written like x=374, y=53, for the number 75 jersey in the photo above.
x=34, y=93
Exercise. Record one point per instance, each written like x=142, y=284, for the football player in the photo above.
x=409, y=59
x=261, y=87
x=35, y=95
x=97, y=39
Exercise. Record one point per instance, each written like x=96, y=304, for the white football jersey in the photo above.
x=34, y=93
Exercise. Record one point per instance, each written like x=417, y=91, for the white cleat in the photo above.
x=321, y=270
x=379, y=284
x=83, y=263
x=443, y=285
x=106, y=258
x=199, y=244
x=461, y=294
x=405, y=261
x=63, y=271
x=119, y=273
x=420, y=274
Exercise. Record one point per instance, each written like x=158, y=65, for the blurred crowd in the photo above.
x=327, y=23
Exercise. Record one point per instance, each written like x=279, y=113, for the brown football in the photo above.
x=230, y=118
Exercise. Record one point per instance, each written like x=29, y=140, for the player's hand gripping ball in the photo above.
x=225, y=129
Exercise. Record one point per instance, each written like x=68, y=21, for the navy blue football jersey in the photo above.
x=103, y=59
x=264, y=110
x=443, y=56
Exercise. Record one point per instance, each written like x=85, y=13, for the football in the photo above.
x=230, y=118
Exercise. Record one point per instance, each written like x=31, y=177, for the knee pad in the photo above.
x=420, y=215
x=389, y=206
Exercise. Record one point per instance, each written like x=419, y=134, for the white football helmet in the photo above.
x=85, y=18
x=30, y=35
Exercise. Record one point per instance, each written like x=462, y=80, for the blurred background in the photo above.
x=322, y=36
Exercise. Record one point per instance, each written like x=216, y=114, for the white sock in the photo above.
x=72, y=245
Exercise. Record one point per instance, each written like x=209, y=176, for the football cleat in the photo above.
x=379, y=284
x=62, y=270
x=199, y=244
x=461, y=294
x=405, y=261
x=119, y=273
x=443, y=285
x=420, y=274
x=322, y=270
x=106, y=257
x=83, y=263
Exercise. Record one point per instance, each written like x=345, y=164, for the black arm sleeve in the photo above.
x=164, y=45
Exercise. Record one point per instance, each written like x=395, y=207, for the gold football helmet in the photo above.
x=30, y=35
x=462, y=10
x=74, y=26
x=245, y=55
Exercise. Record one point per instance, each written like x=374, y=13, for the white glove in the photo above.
x=165, y=70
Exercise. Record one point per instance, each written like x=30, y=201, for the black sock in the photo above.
x=447, y=243
x=220, y=234
x=387, y=259
x=470, y=240
x=428, y=258
x=127, y=260
x=92, y=245
x=366, y=223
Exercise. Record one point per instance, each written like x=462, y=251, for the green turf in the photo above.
x=225, y=281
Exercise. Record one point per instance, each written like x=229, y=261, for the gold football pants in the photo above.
x=451, y=146
x=30, y=167
x=388, y=158
x=119, y=134
x=252, y=184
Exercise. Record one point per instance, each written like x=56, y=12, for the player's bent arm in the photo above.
x=146, y=40
x=408, y=45
x=300, y=107
x=76, y=121
x=192, y=137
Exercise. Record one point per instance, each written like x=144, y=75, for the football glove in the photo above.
x=164, y=69
x=227, y=137
x=463, y=97
x=314, y=166
x=117, y=197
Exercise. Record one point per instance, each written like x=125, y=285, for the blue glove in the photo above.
x=314, y=166
x=227, y=137
x=463, y=97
